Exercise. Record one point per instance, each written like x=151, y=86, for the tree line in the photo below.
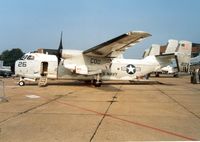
x=10, y=56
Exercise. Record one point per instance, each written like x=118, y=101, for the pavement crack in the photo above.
x=105, y=114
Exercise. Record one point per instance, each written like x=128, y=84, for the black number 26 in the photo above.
x=22, y=64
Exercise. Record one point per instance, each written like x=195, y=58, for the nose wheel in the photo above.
x=21, y=83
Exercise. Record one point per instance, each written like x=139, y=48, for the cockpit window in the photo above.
x=27, y=57
x=30, y=57
x=24, y=57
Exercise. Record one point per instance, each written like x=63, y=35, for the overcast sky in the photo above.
x=32, y=24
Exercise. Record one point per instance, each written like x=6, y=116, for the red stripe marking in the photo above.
x=131, y=122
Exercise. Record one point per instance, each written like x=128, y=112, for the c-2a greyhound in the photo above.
x=101, y=63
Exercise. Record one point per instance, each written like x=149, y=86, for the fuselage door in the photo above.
x=44, y=69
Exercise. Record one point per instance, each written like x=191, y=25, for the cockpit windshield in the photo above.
x=27, y=57
x=23, y=57
x=30, y=57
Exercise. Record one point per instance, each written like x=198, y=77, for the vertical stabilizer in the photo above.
x=171, y=46
x=183, y=54
x=154, y=50
x=146, y=53
x=184, y=47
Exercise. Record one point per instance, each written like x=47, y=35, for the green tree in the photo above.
x=10, y=56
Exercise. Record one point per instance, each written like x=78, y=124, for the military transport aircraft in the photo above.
x=100, y=63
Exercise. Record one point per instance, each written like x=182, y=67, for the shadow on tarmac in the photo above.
x=104, y=84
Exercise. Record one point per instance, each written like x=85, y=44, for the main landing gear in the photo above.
x=93, y=82
x=97, y=83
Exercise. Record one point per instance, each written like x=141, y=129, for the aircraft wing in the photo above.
x=115, y=47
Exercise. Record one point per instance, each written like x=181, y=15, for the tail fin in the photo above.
x=171, y=46
x=184, y=47
x=154, y=50
x=146, y=53
x=183, y=54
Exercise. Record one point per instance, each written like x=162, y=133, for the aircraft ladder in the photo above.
x=43, y=81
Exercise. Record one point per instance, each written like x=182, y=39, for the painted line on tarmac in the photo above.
x=128, y=121
x=34, y=107
x=178, y=103
x=105, y=114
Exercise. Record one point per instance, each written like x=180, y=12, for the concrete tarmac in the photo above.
x=165, y=109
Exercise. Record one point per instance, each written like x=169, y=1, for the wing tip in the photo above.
x=146, y=34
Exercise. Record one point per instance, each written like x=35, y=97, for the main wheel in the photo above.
x=97, y=84
x=21, y=83
x=157, y=74
x=176, y=75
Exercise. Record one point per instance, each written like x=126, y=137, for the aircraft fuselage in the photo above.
x=76, y=66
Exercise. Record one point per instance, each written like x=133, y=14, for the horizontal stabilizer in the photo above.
x=165, y=59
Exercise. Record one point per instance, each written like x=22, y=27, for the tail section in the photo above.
x=183, y=54
x=176, y=57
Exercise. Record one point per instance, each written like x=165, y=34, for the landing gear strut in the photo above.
x=157, y=74
x=97, y=82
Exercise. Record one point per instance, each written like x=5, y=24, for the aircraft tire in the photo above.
x=97, y=84
x=176, y=75
x=21, y=83
x=157, y=74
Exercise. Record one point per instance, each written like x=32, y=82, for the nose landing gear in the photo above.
x=21, y=83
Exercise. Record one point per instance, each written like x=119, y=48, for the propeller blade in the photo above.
x=60, y=48
x=61, y=45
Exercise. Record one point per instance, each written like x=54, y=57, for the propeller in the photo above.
x=60, y=48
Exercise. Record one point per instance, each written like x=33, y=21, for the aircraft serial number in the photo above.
x=22, y=64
